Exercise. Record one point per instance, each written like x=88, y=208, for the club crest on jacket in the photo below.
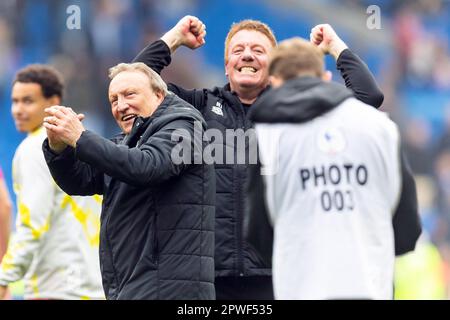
x=217, y=109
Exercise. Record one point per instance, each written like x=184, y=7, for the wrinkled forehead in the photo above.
x=128, y=79
x=250, y=38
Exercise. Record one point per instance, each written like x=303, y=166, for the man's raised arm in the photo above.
x=354, y=71
x=189, y=32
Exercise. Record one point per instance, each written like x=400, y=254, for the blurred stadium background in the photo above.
x=409, y=56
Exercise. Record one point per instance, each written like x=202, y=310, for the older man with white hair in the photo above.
x=157, y=228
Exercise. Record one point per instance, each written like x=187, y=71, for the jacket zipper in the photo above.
x=240, y=213
x=155, y=239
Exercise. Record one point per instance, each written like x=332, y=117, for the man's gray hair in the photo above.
x=156, y=82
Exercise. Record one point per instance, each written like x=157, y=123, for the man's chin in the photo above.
x=249, y=83
x=126, y=130
x=22, y=128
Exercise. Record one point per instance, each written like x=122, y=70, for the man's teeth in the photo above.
x=248, y=70
x=126, y=118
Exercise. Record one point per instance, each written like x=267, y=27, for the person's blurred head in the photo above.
x=135, y=90
x=35, y=88
x=247, y=48
x=296, y=57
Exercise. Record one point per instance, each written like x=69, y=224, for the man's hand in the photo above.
x=54, y=142
x=327, y=40
x=189, y=32
x=63, y=126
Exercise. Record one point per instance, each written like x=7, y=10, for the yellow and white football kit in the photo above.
x=55, y=245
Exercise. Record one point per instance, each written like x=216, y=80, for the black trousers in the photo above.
x=244, y=288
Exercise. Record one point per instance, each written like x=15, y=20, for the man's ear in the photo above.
x=275, y=81
x=160, y=96
x=327, y=76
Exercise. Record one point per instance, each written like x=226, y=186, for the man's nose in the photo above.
x=247, y=55
x=16, y=108
x=121, y=104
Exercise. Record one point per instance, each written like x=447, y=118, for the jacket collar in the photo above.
x=226, y=91
x=232, y=98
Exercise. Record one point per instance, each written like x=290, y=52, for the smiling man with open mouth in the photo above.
x=240, y=271
x=246, y=60
x=130, y=98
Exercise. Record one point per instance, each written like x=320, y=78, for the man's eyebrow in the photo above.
x=124, y=90
x=22, y=98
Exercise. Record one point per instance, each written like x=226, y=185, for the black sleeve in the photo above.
x=157, y=56
x=359, y=79
x=149, y=164
x=258, y=230
x=406, y=220
x=71, y=175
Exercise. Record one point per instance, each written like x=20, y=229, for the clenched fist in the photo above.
x=327, y=40
x=189, y=31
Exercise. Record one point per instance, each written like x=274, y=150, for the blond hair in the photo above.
x=156, y=82
x=252, y=25
x=295, y=57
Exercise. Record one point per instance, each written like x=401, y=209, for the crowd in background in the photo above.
x=413, y=71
